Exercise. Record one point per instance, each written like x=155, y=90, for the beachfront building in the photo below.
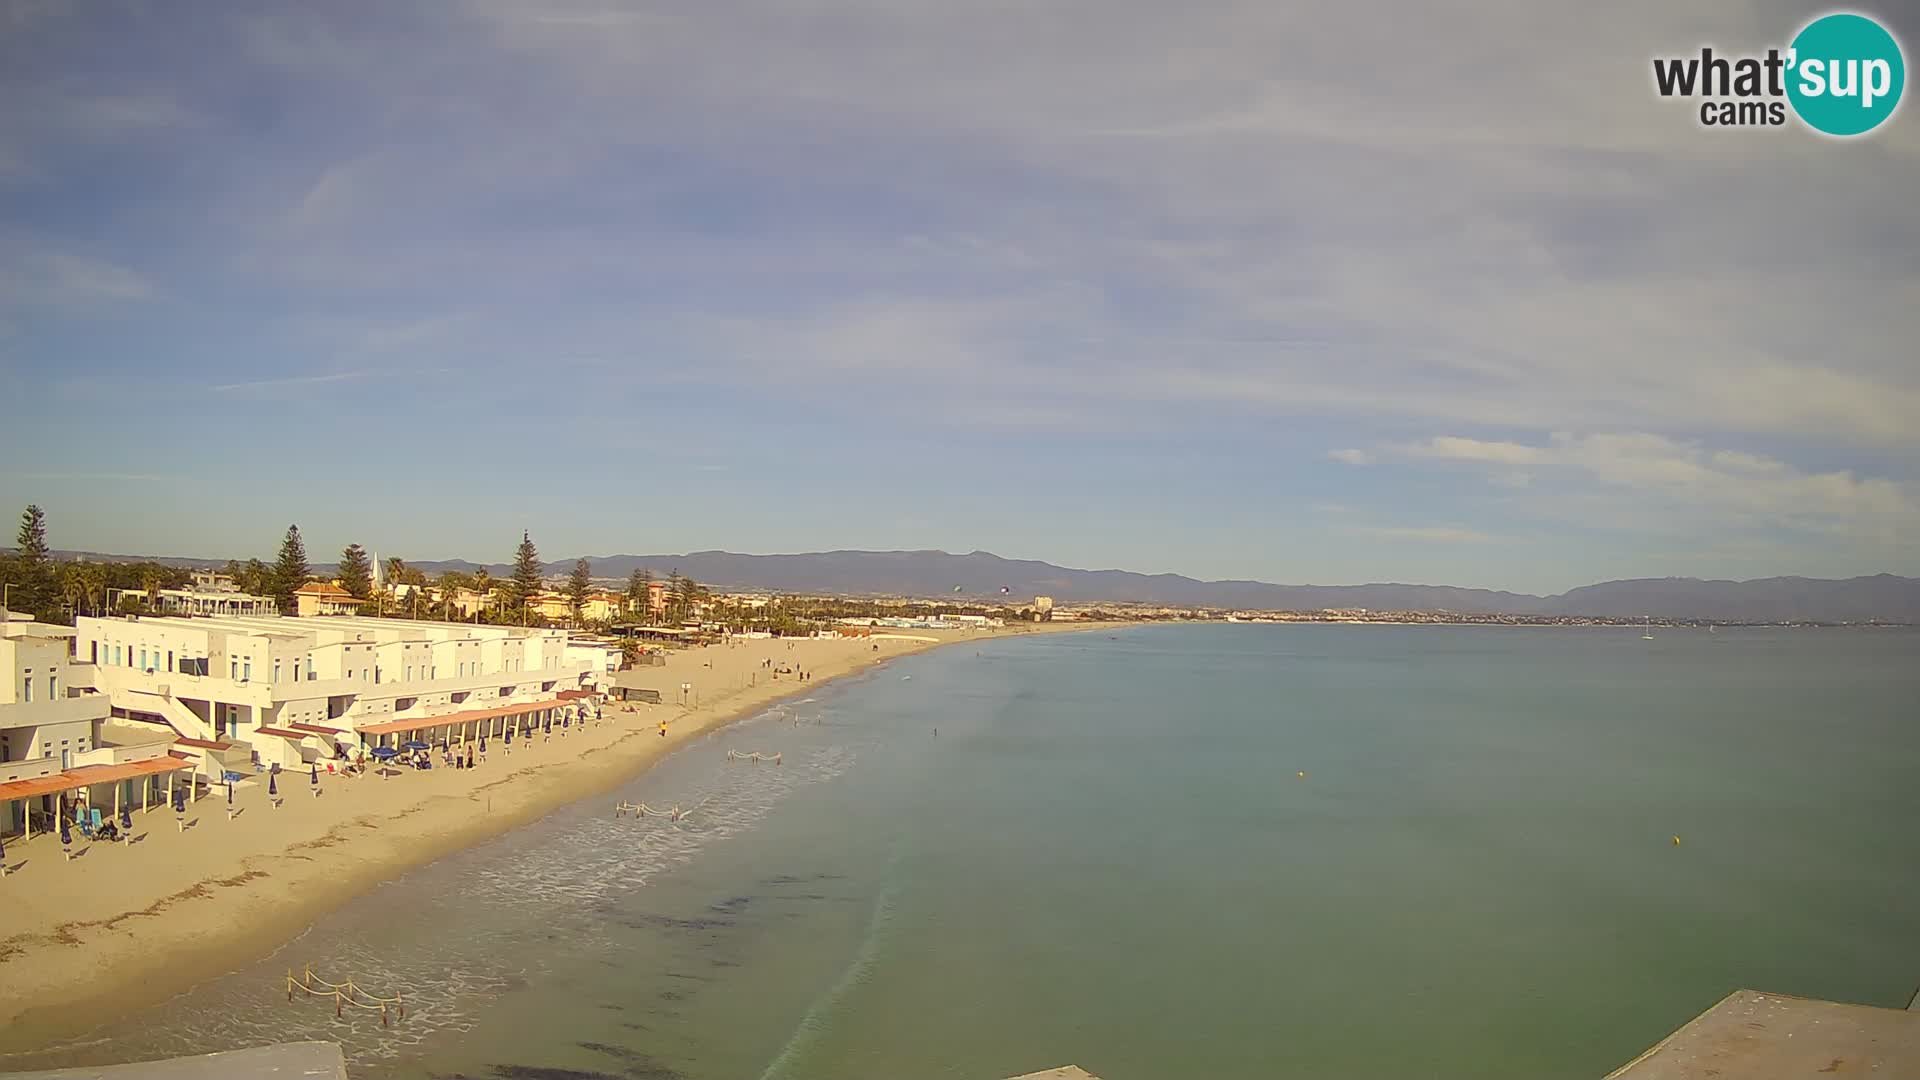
x=324, y=598
x=207, y=594
x=57, y=747
x=288, y=691
x=603, y=607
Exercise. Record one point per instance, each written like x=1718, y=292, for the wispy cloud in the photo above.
x=292, y=381
x=1350, y=457
x=1426, y=534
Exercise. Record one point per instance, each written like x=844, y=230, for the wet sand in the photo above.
x=123, y=926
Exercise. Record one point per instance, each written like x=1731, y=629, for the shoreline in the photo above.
x=115, y=931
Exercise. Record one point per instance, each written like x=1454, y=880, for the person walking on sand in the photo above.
x=663, y=729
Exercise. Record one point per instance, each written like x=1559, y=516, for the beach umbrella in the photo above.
x=66, y=832
x=179, y=801
x=229, y=790
x=315, y=775
x=273, y=784
x=415, y=744
x=483, y=744
x=126, y=818
x=509, y=737
x=232, y=777
x=548, y=727
x=385, y=753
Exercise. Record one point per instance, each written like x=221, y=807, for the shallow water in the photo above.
x=1106, y=855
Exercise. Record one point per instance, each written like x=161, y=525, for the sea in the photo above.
x=1233, y=851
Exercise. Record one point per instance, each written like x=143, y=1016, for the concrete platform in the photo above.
x=287, y=1061
x=1754, y=1036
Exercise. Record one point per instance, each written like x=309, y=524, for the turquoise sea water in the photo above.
x=1106, y=856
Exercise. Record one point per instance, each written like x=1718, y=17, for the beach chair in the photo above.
x=94, y=814
x=86, y=827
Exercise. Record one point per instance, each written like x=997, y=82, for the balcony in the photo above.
x=61, y=711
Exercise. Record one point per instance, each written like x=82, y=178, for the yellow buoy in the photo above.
x=1676, y=841
x=1302, y=774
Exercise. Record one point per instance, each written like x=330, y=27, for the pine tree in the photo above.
x=356, y=572
x=35, y=591
x=673, y=596
x=687, y=598
x=526, y=576
x=579, y=584
x=289, y=572
x=255, y=578
x=636, y=589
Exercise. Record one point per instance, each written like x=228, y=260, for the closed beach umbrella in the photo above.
x=483, y=744
x=126, y=817
x=66, y=832
x=229, y=791
x=509, y=737
x=273, y=785
x=548, y=726
x=315, y=775
x=179, y=801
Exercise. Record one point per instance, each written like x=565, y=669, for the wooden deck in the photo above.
x=1754, y=1036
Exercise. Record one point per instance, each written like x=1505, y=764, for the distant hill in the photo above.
x=981, y=574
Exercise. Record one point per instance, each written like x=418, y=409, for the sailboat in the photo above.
x=1648, y=636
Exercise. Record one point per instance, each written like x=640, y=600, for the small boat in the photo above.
x=1648, y=636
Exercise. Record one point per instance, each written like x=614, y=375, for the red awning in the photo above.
x=575, y=695
x=318, y=729
x=422, y=723
x=88, y=775
x=282, y=732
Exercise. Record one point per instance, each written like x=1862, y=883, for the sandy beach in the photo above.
x=123, y=926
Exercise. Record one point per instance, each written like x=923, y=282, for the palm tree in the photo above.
x=483, y=584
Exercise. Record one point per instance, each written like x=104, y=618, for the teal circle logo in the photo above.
x=1845, y=74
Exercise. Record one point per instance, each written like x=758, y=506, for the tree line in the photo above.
x=55, y=591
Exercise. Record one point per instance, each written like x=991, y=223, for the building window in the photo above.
x=143, y=659
x=309, y=669
x=94, y=647
x=233, y=668
x=26, y=690
x=246, y=670
x=53, y=687
x=169, y=659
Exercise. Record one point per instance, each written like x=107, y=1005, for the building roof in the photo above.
x=327, y=590
x=203, y=744
x=421, y=723
x=318, y=729
x=87, y=775
x=281, y=732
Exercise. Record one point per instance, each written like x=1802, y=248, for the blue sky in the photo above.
x=1261, y=290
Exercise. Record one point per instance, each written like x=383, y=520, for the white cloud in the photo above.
x=1428, y=534
x=1350, y=457
x=1690, y=475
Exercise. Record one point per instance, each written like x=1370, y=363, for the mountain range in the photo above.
x=982, y=575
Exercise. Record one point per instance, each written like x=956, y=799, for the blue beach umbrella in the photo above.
x=384, y=753
x=273, y=786
x=229, y=791
x=231, y=777
x=483, y=744
x=179, y=801
x=509, y=736
x=549, y=726
x=415, y=744
x=315, y=775
x=66, y=832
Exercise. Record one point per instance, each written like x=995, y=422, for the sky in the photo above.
x=1276, y=290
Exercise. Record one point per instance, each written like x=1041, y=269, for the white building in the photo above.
x=289, y=691
x=56, y=746
x=209, y=594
